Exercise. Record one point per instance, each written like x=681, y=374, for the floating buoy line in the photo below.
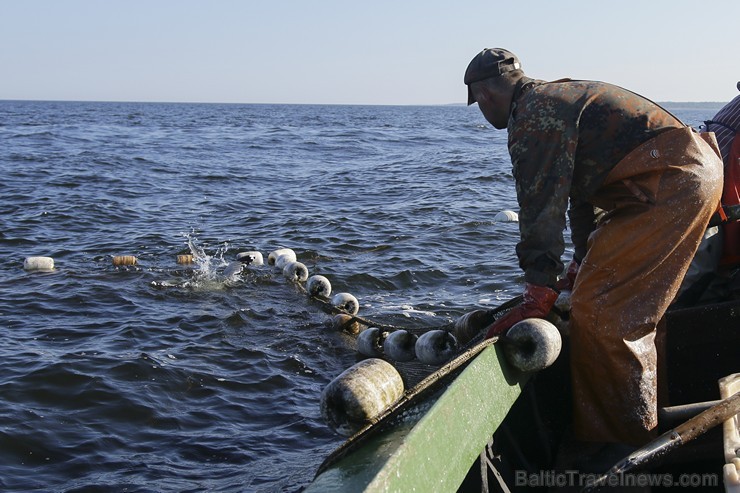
x=343, y=306
x=369, y=388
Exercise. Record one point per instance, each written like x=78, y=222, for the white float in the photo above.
x=251, y=258
x=295, y=271
x=506, y=217
x=318, y=286
x=346, y=302
x=533, y=344
x=284, y=260
x=38, y=264
x=273, y=256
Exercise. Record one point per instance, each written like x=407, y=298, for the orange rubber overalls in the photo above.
x=659, y=199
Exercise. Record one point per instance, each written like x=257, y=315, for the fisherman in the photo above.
x=713, y=274
x=641, y=186
x=726, y=126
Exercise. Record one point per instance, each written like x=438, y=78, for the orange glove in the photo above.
x=569, y=279
x=536, y=304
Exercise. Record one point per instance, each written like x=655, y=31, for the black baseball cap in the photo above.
x=490, y=62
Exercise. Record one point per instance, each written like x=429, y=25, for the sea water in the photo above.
x=170, y=377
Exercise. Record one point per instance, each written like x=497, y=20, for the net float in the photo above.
x=39, y=264
x=360, y=394
x=346, y=323
x=471, y=324
x=435, y=347
x=370, y=342
x=400, y=345
x=185, y=259
x=250, y=258
x=506, y=217
x=295, y=271
x=124, y=260
x=346, y=302
x=284, y=260
x=273, y=256
x=318, y=286
x=532, y=344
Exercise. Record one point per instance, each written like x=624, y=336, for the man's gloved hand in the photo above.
x=536, y=304
x=569, y=279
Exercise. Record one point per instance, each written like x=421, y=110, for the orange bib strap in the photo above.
x=731, y=196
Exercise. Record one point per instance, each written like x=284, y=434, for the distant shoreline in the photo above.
x=689, y=105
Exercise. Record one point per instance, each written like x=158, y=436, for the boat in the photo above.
x=478, y=424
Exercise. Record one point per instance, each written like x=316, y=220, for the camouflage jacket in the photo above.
x=564, y=138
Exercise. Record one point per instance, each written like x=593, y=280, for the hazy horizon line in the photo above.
x=692, y=103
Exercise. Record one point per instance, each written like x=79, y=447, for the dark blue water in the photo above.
x=163, y=377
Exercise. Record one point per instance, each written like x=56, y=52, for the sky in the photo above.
x=394, y=52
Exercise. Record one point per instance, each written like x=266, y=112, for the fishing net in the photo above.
x=422, y=381
x=412, y=372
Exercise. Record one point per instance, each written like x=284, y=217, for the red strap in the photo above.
x=731, y=191
x=731, y=196
x=722, y=214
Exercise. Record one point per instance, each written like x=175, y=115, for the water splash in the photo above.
x=208, y=266
x=211, y=272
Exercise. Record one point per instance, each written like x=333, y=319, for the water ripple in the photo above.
x=169, y=377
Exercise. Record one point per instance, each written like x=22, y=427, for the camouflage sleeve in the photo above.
x=542, y=144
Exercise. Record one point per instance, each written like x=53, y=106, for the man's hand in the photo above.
x=569, y=279
x=536, y=304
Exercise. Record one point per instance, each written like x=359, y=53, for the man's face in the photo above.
x=493, y=104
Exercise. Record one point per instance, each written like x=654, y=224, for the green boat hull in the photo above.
x=434, y=445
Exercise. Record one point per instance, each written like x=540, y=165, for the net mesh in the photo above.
x=422, y=380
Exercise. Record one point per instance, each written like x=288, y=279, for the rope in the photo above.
x=328, y=307
x=422, y=390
